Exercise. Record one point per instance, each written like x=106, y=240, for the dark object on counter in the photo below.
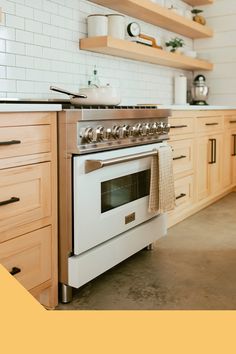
x=199, y=91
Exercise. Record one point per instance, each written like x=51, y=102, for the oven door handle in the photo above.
x=93, y=165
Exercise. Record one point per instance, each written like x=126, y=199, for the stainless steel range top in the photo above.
x=107, y=128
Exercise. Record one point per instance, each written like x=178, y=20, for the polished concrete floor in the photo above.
x=193, y=268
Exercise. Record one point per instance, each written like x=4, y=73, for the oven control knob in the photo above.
x=107, y=134
x=166, y=128
x=98, y=134
x=153, y=129
x=125, y=131
x=137, y=129
x=116, y=131
x=145, y=129
x=87, y=134
x=160, y=128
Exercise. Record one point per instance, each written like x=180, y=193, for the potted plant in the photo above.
x=175, y=44
x=198, y=18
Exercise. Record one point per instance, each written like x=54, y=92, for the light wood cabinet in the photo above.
x=209, y=137
x=209, y=165
x=28, y=201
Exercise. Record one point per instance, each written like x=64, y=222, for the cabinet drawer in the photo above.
x=183, y=154
x=28, y=257
x=25, y=196
x=28, y=140
x=209, y=124
x=184, y=191
x=230, y=121
x=181, y=126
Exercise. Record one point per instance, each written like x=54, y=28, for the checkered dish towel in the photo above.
x=162, y=193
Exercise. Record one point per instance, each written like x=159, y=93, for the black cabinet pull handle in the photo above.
x=182, y=195
x=10, y=201
x=211, y=123
x=10, y=142
x=179, y=157
x=178, y=126
x=15, y=270
x=232, y=121
x=234, y=153
x=213, y=151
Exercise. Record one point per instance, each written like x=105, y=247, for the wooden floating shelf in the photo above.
x=199, y=2
x=157, y=15
x=140, y=52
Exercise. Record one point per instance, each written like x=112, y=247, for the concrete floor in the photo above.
x=194, y=268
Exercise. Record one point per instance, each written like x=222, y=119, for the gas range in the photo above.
x=105, y=159
x=99, y=128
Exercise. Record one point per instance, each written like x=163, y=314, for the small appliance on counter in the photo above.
x=180, y=90
x=199, y=91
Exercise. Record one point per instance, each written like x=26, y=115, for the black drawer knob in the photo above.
x=15, y=270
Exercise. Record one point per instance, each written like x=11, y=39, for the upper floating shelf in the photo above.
x=199, y=2
x=131, y=50
x=157, y=15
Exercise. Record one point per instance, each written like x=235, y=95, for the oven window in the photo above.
x=123, y=190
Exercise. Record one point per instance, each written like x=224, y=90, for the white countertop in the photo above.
x=29, y=107
x=42, y=107
x=197, y=108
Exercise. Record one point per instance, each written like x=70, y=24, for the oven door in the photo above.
x=111, y=192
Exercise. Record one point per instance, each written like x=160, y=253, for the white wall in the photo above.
x=221, y=50
x=39, y=46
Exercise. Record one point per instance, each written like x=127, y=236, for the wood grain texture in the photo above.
x=31, y=172
x=125, y=49
x=199, y=2
x=31, y=253
x=32, y=185
x=210, y=181
x=155, y=14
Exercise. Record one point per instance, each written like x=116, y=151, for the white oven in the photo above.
x=110, y=194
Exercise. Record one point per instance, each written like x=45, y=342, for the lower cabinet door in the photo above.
x=28, y=257
x=209, y=166
x=203, y=171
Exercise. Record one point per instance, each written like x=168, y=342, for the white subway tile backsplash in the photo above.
x=7, y=59
x=33, y=26
x=34, y=51
x=15, y=21
x=42, y=40
x=38, y=4
x=24, y=61
x=24, y=11
x=24, y=36
x=15, y=47
x=2, y=45
x=2, y=72
x=42, y=16
x=8, y=85
x=50, y=6
x=40, y=47
x=15, y=73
